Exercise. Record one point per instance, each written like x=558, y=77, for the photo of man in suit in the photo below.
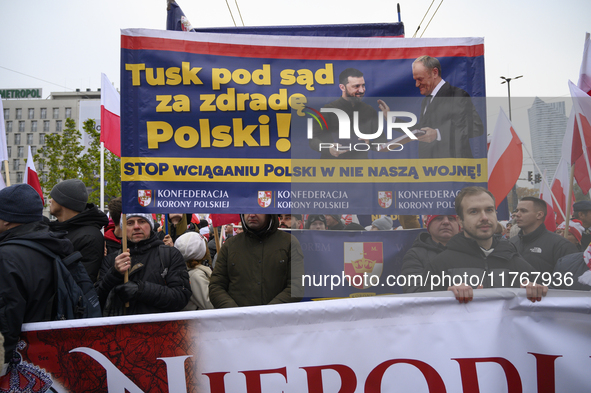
x=448, y=118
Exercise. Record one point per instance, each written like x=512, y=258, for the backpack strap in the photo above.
x=67, y=261
x=164, y=259
x=31, y=244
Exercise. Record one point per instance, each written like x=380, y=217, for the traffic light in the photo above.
x=538, y=178
x=529, y=176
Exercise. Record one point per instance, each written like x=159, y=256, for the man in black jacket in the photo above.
x=158, y=277
x=83, y=221
x=440, y=229
x=26, y=276
x=537, y=245
x=474, y=257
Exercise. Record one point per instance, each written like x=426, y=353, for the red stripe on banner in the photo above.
x=285, y=52
x=111, y=131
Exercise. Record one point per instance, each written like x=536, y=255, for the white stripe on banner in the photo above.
x=500, y=342
x=304, y=41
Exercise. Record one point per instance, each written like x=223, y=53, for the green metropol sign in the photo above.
x=20, y=93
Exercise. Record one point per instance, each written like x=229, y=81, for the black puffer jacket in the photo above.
x=542, y=248
x=26, y=278
x=423, y=250
x=464, y=256
x=84, y=231
x=150, y=261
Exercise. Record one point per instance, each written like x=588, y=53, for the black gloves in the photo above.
x=128, y=291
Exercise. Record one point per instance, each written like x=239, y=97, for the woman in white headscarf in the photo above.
x=193, y=246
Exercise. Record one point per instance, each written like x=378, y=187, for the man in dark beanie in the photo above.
x=83, y=221
x=26, y=275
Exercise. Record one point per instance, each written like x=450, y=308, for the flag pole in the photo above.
x=569, y=199
x=546, y=182
x=124, y=248
x=7, y=173
x=102, y=200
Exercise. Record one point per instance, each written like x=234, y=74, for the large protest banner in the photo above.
x=500, y=342
x=224, y=121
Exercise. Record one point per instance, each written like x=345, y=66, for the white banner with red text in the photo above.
x=499, y=342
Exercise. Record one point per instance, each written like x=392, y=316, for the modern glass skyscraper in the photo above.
x=547, y=125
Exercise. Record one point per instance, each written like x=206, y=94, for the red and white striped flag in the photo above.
x=31, y=178
x=110, y=116
x=581, y=152
x=505, y=158
x=559, y=187
x=223, y=219
x=585, y=73
x=546, y=196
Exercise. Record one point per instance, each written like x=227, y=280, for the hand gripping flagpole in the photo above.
x=124, y=248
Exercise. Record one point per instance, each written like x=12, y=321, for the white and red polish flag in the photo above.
x=110, y=116
x=505, y=158
x=581, y=137
x=31, y=178
x=546, y=196
x=585, y=73
x=559, y=187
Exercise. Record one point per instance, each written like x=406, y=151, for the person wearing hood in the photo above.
x=440, y=228
x=158, y=277
x=261, y=265
x=177, y=225
x=193, y=246
x=26, y=275
x=83, y=221
x=334, y=222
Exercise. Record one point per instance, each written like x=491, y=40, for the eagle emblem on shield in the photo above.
x=144, y=197
x=265, y=198
x=385, y=199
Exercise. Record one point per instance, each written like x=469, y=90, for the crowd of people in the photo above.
x=143, y=267
x=171, y=267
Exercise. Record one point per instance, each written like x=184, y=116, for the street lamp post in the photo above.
x=508, y=81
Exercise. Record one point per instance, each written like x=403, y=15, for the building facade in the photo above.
x=29, y=121
x=547, y=125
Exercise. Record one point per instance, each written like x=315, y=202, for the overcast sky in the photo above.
x=65, y=45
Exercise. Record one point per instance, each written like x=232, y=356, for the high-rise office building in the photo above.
x=547, y=125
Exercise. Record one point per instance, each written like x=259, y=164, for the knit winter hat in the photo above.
x=192, y=245
x=21, y=204
x=71, y=194
x=383, y=223
x=315, y=217
x=428, y=218
x=575, y=227
x=145, y=216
